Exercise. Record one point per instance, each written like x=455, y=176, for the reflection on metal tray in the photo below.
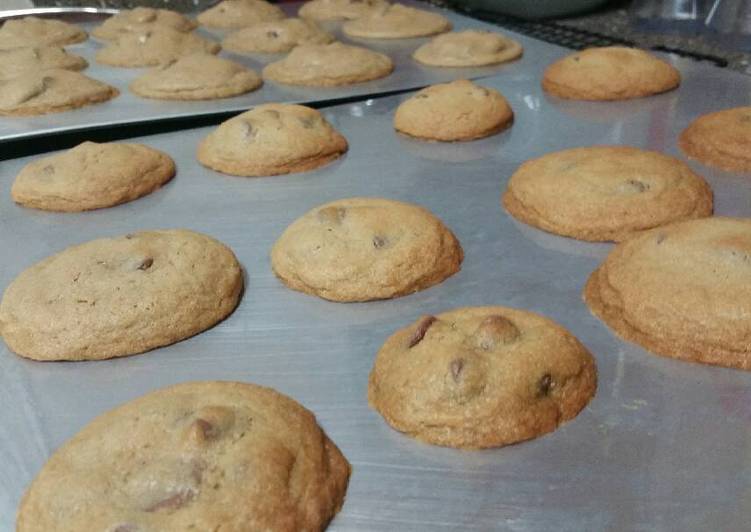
x=664, y=445
x=129, y=108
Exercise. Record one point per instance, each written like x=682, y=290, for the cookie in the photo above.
x=481, y=377
x=361, y=249
x=272, y=139
x=153, y=47
x=605, y=193
x=18, y=61
x=468, y=48
x=92, y=176
x=141, y=19
x=210, y=455
x=397, y=21
x=328, y=65
x=276, y=36
x=35, y=31
x=233, y=14
x=721, y=140
x=196, y=77
x=325, y=10
x=681, y=291
x=51, y=91
x=120, y=296
x=609, y=73
x=459, y=110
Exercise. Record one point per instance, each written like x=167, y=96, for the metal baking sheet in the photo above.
x=129, y=108
x=664, y=445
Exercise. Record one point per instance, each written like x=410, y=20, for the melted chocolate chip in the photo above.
x=272, y=34
x=332, y=215
x=308, y=122
x=544, y=385
x=145, y=264
x=494, y=331
x=661, y=238
x=639, y=186
x=173, y=502
x=422, y=327
x=456, y=367
x=379, y=241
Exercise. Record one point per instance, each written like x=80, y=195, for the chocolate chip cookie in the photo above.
x=153, y=47
x=459, y=110
x=35, y=31
x=361, y=249
x=120, y=296
x=92, y=176
x=208, y=455
x=609, y=73
x=141, y=19
x=481, y=377
x=468, y=48
x=604, y=193
x=18, y=61
x=233, y=14
x=397, y=21
x=340, y=9
x=721, y=140
x=276, y=36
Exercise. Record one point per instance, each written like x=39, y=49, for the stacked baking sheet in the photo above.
x=664, y=445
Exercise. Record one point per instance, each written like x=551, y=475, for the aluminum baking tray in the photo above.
x=129, y=108
x=664, y=445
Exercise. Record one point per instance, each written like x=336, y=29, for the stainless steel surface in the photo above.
x=129, y=108
x=664, y=445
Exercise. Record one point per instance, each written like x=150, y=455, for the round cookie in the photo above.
x=120, y=296
x=605, y=193
x=397, y=21
x=35, y=31
x=153, y=47
x=326, y=10
x=210, y=455
x=233, y=14
x=468, y=48
x=328, y=65
x=272, y=139
x=18, y=61
x=51, y=91
x=609, y=73
x=361, y=249
x=721, y=140
x=92, y=176
x=276, y=36
x=196, y=77
x=681, y=291
x=141, y=19
x=481, y=377
x=459, y=110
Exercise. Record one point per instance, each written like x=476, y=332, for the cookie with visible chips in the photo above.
x=157, y=46
x=276, y=36
x=721, y=139
x=120, y=296
x=468, y=48
x=481, y=377
x=605, y=193
x=397, y=21
x=454, y=111
x=140, y=19
x=361, y=249
x=35, y=31
x=609, y=73
x=210, y=455
x=234, y=14
x=325, y=10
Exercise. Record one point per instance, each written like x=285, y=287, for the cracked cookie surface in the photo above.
x=153, y=47
x=397, y=21
x=604, y=193
x=276, y=36
x=340, y=9
x=233, y=14
x=681, y=291
x=361, y=249
x=120, y=296
x=19, y=61
x=721, y=139
x=213, y=455
x=468, y=48
x=141, y=19
x=479, y=377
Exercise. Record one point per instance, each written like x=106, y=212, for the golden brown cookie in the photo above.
x=141, y=19
x=468, y=48
x=276, y=36
x=325, y=10
x=721, y=139
x=121, y=296
x=681, y=291
x=214, y=455
x=609, y=73
x=35, y=31
x=604, y=193
x=481, y=377
x=198, y=76
x=272, y=139
x=18, y=61
x=92, y=176
x=397, y=21
x=459, y=110
x=51, y=91
x=328, y=65
x=360, y=249
x=153, y=47
x=233, y=14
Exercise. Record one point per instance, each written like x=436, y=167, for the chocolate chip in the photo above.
x=145, y=264
x=577, y=58
x=272, y=34
x=661, y=238
x=308, y=122
x=332, y=215
x=274, y=114
x=173, y=502
x=639, y=186
x=544, y=385
x=422, y=327
x=129, y=236
x=494, y=331
x=379, y=242
x=421, y=96
x=456, y=367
